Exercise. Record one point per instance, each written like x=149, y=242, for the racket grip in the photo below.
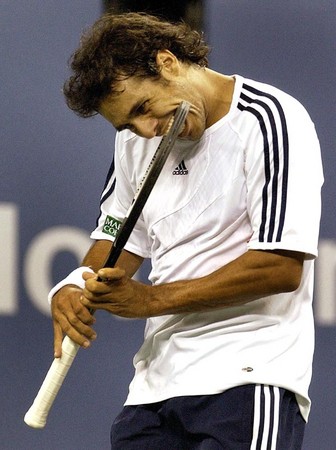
x=37, y=414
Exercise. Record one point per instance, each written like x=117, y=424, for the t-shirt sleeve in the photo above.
x=284, y=178
x=116, y=199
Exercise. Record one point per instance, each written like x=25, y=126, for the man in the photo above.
x=231, y=228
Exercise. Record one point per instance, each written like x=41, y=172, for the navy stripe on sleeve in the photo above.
x=268, y=110
x=107, y=191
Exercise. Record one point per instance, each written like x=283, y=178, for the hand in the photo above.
x=72, y=318
x=117, y=294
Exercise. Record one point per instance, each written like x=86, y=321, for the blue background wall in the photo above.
x=52, y=168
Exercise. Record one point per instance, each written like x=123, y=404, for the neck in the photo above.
x=218, y=96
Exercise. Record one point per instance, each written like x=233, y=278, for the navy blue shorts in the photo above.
x=250, y=417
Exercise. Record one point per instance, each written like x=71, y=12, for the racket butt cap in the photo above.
x=33, y=421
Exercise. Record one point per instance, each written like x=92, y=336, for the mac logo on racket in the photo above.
x=111, y=226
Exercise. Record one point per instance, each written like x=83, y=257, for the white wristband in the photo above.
x=75, y=277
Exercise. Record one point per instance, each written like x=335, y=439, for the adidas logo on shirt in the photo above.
x=181, y=169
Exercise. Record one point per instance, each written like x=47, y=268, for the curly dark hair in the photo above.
x=120, y=46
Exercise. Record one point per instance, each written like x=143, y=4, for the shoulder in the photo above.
x=259, y=97
x=267, y=109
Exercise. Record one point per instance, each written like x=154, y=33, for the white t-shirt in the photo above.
x=252, y=182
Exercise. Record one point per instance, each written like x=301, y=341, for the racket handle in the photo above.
x=37, y=414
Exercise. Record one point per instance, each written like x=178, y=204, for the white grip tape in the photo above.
x=37, y=414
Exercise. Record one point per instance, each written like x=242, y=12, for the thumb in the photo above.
x=88, y=275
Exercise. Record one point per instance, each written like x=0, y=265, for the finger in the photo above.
x=83, y=314
x=109, y=277
x=80, y=330
x=96, y=287
x=79, y=337
x=58, y=337
x=88, y=275
x=110, y=274
x=107, y=305
x=92, y=304
x=95, y=290
x=71, y=311
x=69, y=322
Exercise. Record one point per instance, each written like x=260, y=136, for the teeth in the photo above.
x=170, y=123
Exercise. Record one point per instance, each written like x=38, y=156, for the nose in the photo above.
x=145, y=126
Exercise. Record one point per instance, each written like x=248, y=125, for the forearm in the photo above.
x=97, y=255
x=254, y=275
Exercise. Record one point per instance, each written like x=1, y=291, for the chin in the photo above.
x=196, y=136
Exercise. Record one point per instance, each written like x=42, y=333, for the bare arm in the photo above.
x=253, y=275
x=96, y=257
x=69, y=315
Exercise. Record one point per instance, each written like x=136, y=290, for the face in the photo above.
x=147, y=105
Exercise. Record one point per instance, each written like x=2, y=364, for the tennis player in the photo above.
x=231, y=228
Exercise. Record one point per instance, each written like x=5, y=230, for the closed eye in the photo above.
x=139, y=109
x=142, y=108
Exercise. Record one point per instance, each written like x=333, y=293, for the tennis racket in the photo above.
x=37, y=414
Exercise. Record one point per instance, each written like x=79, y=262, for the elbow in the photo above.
x=291, y=284
x=290, y=270
x=291, y=279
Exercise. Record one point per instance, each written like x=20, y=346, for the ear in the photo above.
x=168, y=64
